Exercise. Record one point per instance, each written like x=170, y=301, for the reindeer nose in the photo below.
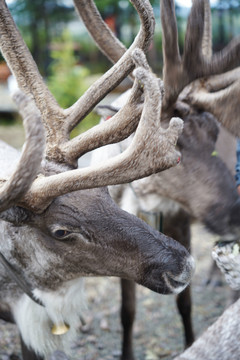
x=174, y=279
x=177, y=283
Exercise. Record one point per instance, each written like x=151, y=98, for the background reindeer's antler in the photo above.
x=207, y=31
x=217, y=94
x=197, y=60
x=153, y=148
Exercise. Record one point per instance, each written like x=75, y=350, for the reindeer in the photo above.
x=59, y=223
x=219, y=341
x=202, y=89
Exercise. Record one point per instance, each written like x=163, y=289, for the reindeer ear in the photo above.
x=16, y=215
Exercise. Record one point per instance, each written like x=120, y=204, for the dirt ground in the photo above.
x=158, y=331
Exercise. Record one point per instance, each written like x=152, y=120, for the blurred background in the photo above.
x=70, y=61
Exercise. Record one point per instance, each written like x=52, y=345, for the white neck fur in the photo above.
x=62, y=306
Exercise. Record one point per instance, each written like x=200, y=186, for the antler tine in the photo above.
x=207, y=32
x=176, y=73
x=118, y=128
x=170, y=34
x=121, y=69
x=226, y=59
x=152, y=150
x=28, y=167
x=171, y=55
x=192, y=53
x=104, y=37
x=112, y=47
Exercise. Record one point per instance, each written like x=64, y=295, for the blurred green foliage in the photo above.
x=69, y=80
x=8, y=119
x=40, y=21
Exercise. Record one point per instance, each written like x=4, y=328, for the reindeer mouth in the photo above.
x=166, y=286
x=174, y=285
x=177, y=283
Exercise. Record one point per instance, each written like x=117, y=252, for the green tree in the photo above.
x=69, y=80
x=39, y=22
x=225, y=21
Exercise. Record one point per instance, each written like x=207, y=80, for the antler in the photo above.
x=144, y=156
x=98, y=29
x=135, y=162
x=207, y=31
x=123, y=125
x=29, y=165
x=58, y=148
x=197, y=60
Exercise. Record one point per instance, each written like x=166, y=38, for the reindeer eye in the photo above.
x=61, y=233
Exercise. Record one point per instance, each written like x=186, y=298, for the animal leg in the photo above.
x=128, y=310
x=6, y=316
x=177, y=225
x=184, y=305
x=28, y=354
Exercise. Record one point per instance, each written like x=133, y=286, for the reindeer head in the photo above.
x=59, y=221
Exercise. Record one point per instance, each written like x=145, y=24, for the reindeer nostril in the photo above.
x=170, y=277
